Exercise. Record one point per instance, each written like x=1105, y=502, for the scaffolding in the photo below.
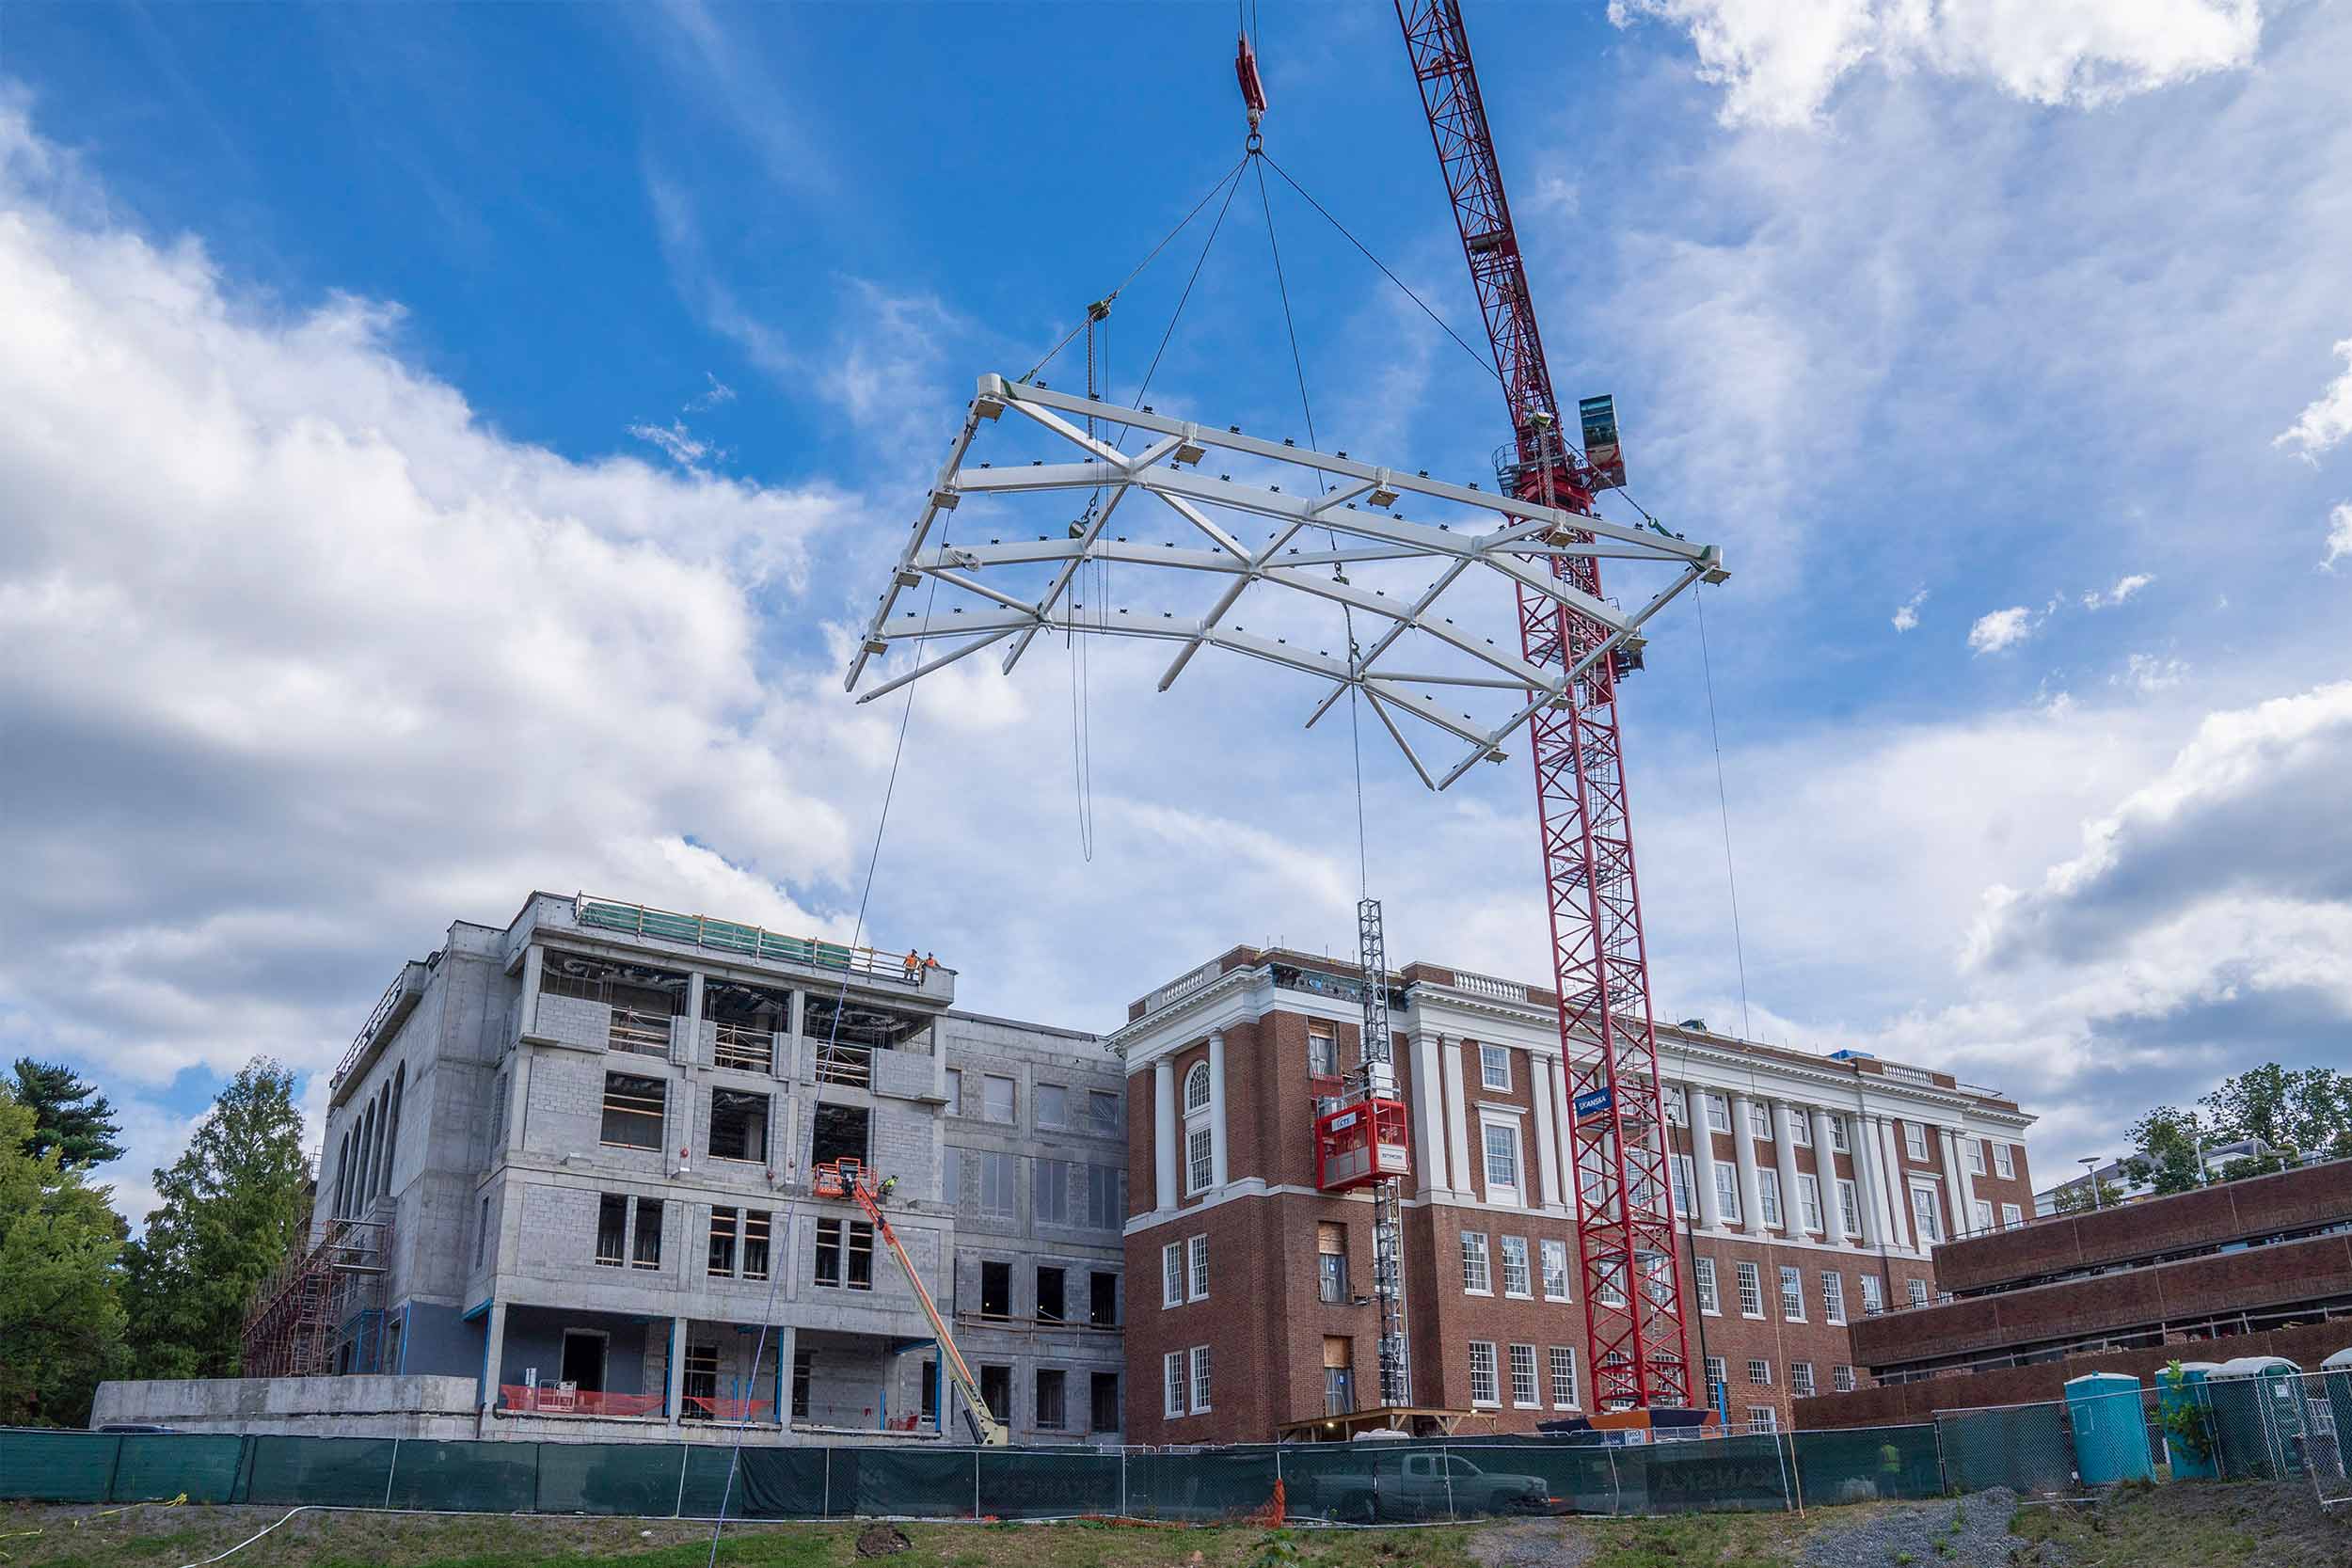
x=323, y=1312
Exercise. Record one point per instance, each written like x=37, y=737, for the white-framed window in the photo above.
x=1915, y=1141
x=2004, y=1163
x=1678, y=1107
x=1801, y=1379
x=1501, y=1144
x=1716, y=1377
x=1657, y=1277
x=1972, y=1155
x=1768, y=1195
x=1175, y=1382
x=1323, y=1051
x=1686, y=1182
x=1800, y=1128
x=1711, y=1301
x=1197, y=1256
x=1727, y=1192
x=1751, y=1286
x=1759, y=1372
x=1173, y=1274
x=1562, y=1377
x=1610, y=1287
x=1555, y=1261
x=1475, y=1278
x=1832, y=1296
x=1197, y=1087
x=1849, y=1207
x=1199, y=1159
x=1791, y=1293
x=1761, y=1122
x=1524, y=1377
x=1483, y=1387
x=1809, y=1200
x=1200, y=1379
x=1982, y=1212
x=1837, y=1135
x=1494, y=1067
x=2011, y=1217
x=1926, y=1214
x=1514, y=1277
x=1873, y=1299
x=1718, y=1112
x=1917, y=1291
x=1841, y=1379
x=1763, y=1419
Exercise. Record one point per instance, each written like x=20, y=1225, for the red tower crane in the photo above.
x=1625, y=1202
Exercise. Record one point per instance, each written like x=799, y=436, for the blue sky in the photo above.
x=458, y=443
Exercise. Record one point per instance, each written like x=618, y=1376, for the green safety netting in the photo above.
x=464, y=1477
x=1047, y=1484
x=1714, y=1475
x=57, y=1467
x=2023, y=1447
x=923, y=1483
x=331, y=1472
x=155, y=1466
x=610, y=1478
x=1209, y=1483
x=772, y=1484
x=1864, y=1464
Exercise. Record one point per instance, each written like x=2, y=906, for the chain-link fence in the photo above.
x=2025, y=1448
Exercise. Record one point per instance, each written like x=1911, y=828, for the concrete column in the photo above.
x=1164, y=1136
x=493, y=1354
x=693, y=1022
x=1961, y=1214
x=1547, y=1131
x=1898, y=1191
x=1743, y=1141
x=1703, y=1160
x=674, y=1372
x=534, y=965
x=1785, y=1152
x=1429, y=1116
x=1456, y=1113
x=1216, y=1110
x=1965, y=1178
x=1867, y=1180
x=1825, y=1163
x=1565, y=1137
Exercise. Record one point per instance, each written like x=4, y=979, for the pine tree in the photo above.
x=83, y=1134
x=230, y=1210
x=60, y=1316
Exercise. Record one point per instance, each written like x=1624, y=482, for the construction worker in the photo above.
x=881, y=1194
x=914, y=966
x=930, y=961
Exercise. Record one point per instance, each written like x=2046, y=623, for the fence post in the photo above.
x=677, y=1509
x=1445, y=1465
x=114, y=1471
x=1616, y=1487
x=1122, y=1481
x=389, y=1471
x=1943, y=1473
x=824, y=1508
x=976, y=1483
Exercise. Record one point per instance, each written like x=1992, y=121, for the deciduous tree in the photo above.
x=60, y=1317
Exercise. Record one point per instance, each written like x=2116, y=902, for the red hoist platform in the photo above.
x=1360, y=1144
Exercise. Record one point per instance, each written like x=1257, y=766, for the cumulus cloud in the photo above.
x=1779, y=63
x=2148, y=673
x=2339, y=536
x=2001, y=629
x=2329, y=417
x=1907, y=613
x=2124, y=588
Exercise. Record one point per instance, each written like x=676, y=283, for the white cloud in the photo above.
x=2339, y=536
x=1907, y=613
x=2147, y=673
x=2124, y=588
x=2329, y=417
x=677, y=443
x=1779, y=63
x=719, y=392
x=2001, y=629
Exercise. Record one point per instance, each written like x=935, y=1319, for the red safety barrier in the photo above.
x=726, y=1410
x=550, y=1399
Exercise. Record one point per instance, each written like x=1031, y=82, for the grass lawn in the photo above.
x=2204, y=1523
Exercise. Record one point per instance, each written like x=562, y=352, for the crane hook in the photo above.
x=1252, y=89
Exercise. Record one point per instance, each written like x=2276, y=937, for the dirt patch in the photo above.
x=2192, y=1524
x=1533, y=1544
x=882, y=1540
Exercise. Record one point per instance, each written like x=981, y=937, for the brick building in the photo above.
x=1816, y=1192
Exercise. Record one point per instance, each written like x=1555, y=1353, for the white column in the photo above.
x=1547, y=1131
x=1785, y=1152
x=1955, y=1184
x=1962, y=1143
x=1702, y=1159
x=1825, y=1164
x=1868, y=1182
x=1456, y=1112
x=1429, y=1116
x=1743, y=1141
x=674, y=1373
x=1216, y=1110
x=493, y=1354
x=1564, y=1136
x=1898, y=1191
x=534, y=964
x=1164, y=1136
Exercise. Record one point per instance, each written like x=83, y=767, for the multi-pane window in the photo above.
x=1197, y=1261
x=996, y=1098
x=1176, y=1382
x=1872, y=1301
x=1832, y=1296
x=1837, y=1134
x=1106, y=1197
x=1610, y=1287
x=722, y=1242
x=1916, y=1140
x=1173, y=1274
x=1809, y=1200
x=1751, y=1286
x=1800, y=1130
x=1768, y=1195
x=1196, y=1088
x=1727, y=1194
x=1982, y=1212
x=1924, y=1212
x=2011, y=1217
x=1102, y=1110
x=1474, y=1275
x=1483, y=1386
x=1791, y=1294
x=845, y=1254
x=1656, y=1274
x=1678, y=1107
x=1759, y=1372
x=1515, y=1277
x=2004, y=1163
x=1716, y=1378
x=1763, y=1418
x=1555, y=1259
x=999, y=1178
x=1718, y=1113
x=1049, y=1191
x=1052, y=1104
x=1972, y=1154
x=1331, y=1263
x=633, y=1110
x=1338, y=1375
x=1503, y=1156
x=1801, y=1379
x=1849, y=1207
x=1494, y=1067
x=1200, y=1379
x=1709, y=1300
x=1323, y=1054
x=1685, y=1183
x=1761, y=1122
x=1841, y=1379
x=1524, y=1377
x=1562, y=1377
x=1917, y=1291
x=1199, y=1159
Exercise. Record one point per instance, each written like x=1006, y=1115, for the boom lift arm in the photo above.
x=851, y=1180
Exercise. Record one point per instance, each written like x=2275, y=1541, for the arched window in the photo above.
x=1196, y=1088
x=342, y=1176
x=391, y=1125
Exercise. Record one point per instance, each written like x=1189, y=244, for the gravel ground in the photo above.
x=1533, y=1544
x=1963, y=1533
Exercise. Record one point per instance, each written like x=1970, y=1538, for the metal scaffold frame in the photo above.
x=317, y=1301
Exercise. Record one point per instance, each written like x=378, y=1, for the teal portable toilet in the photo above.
x=2335, y=1379
x=2110, y=1438
x=2188, y=1394
x=2258, y=1417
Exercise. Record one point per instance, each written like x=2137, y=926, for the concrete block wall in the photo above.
x=573, y=1020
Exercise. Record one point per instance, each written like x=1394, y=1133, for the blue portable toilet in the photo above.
x=2110, y=1438
x=2257, y=1404
x=2335, y=1379
x=2188, y=1394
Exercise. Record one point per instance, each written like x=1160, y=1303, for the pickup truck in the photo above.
x=1422, y=1485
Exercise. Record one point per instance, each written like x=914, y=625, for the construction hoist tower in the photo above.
x=1374, y=1086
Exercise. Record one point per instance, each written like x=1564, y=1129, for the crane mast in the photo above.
x=1624, y=1204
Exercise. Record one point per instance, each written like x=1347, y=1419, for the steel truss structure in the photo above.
x=1407, y=657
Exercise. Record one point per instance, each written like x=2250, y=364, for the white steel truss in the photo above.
x=1406, y=655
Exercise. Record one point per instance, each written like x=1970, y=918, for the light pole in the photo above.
x=2091, y=1163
